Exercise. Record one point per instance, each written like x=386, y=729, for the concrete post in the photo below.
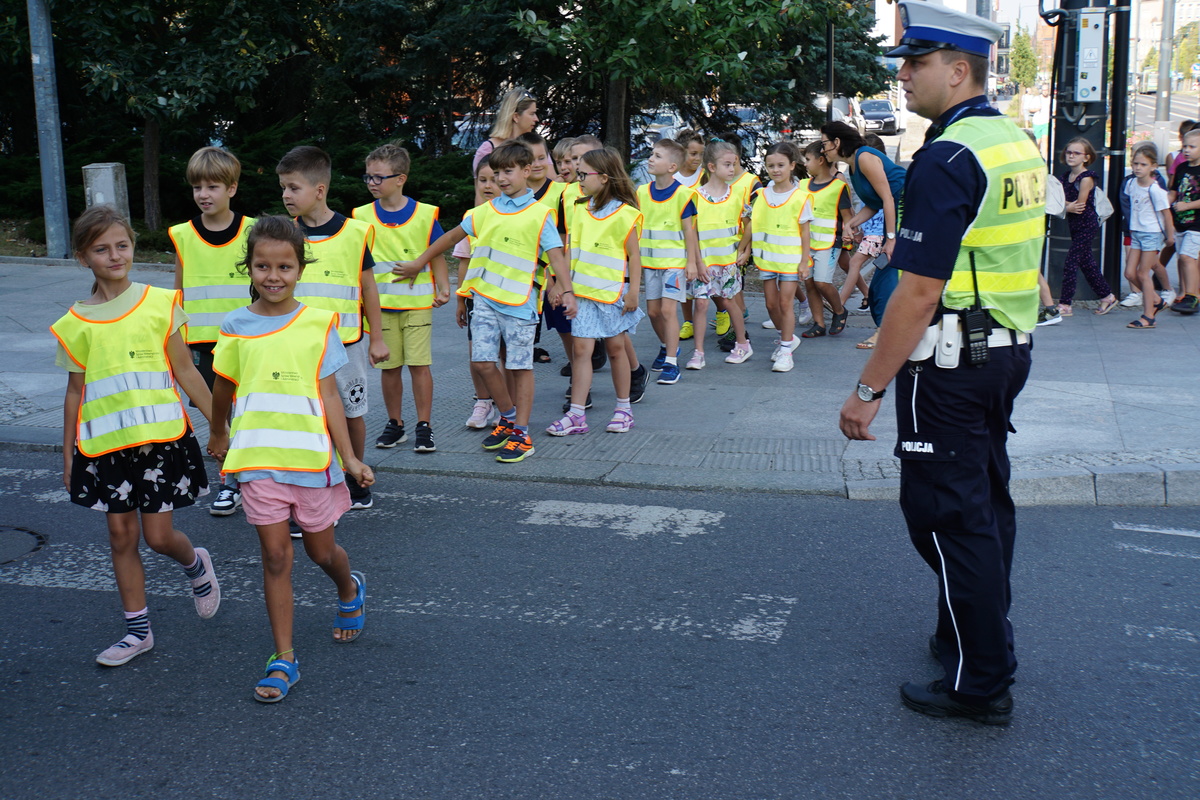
x=104, y=184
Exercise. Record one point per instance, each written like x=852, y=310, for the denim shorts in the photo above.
x=1146, y=241
x=489, y=328
x=1187, y=243
x=824, y=263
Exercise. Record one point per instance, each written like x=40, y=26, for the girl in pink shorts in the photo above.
x=275, y=362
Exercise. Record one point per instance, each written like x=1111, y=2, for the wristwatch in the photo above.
x=890, y=234
x=869, y=395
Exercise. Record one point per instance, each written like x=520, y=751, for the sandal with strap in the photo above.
x=622, y=422
x=1159, y=306
x=1106, y=305
x=1139, y=325
x=568, y=425
x=838, y=323
x=344, y=624
x=289, y=668
x=813, y=332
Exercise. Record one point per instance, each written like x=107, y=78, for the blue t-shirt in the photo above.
x=548, y=241
x=244, y=322
x=661, y=195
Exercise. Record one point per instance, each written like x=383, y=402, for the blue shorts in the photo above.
x=664, y=284
x=1187, y=243
x=763, y=275
x=824, y=263
x=1146, y=241
x=489, y=327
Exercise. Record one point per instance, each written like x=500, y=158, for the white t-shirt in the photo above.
x=1145, y=203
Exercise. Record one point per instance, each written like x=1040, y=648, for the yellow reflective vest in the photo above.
x=598, y=265
x=334, y=281
x=1009, y=226
x=278, y=417
x=823, y=229
x=662, y=243
x=212, y=284
x=776, y=232
x=129, y=393
x=504, y=256
x=392, y=243
x=718, y=226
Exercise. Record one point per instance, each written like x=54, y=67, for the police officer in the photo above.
x=956, y=338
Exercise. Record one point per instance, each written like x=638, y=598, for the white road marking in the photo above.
x=1160, y=632
x=1124, y=526
x=744, y=617
x=1163, y=669
x=624, y=520
x=1151, y=551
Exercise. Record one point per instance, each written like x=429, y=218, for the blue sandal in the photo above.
x=353, y=623
x=290, y=668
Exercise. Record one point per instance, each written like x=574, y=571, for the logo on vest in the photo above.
x=1020, y=190
x=138, y=355
x=291, y=377
x=917, y=447
x=275, y=375
x=915, y=236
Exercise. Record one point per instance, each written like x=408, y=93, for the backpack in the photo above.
x=1056, y=198
x=1104, y=207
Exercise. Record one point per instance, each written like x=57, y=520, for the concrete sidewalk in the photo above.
x=1110, y=415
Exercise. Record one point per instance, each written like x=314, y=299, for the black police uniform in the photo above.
x=953, y=426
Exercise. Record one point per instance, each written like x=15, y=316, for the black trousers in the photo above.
x=953, y=428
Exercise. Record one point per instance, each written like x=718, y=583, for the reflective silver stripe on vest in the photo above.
x=775, y=238
x=663, y=235
x=404, y=289
x=596, y=259
x=663, y=252
x=327, y=290
x=384, y=266
x=129, y=418
x=507, y=259
x=821, y=237
x=823, y=222
x=275, y=403
x=209, y=320
x=127, y=382
x=349, y=320
x=726, y=249
x=237, y=291
x=485, y=275
x=769, y=255
x=599, y=284
x=246, y=439
x=717, y=233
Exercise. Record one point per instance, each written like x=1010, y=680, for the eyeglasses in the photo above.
x=1076, y=153
x=583, y=174
x=375, y=180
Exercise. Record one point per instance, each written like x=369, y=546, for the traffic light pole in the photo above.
x=1119, y=42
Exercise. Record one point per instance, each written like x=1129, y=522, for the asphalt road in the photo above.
x=549, y=641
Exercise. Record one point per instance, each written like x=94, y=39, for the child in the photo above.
x=1078, y=182
x=830, y=203
x=779, y=226
x=606, y=269
x=690, y=175
x=127, y=441
x=1159, y=271
x=206, y=249
x=748, y=184
x=484, y=412
x=402, y=227
x=670, y=250
x=345, y=284
x=562, y=157
x=1149, y=228
x=547, y=192
x=718, y=224
x=277, y=357
x=510, y=233
x=1185, y=200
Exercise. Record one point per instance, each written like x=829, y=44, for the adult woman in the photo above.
x=879, y=183
x=517, y=115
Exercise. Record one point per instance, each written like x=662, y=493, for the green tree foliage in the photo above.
x=1024, y=67
x=1187, y=49
x=1151, y=59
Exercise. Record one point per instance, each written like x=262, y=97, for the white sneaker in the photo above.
x=784, y=363
x=228, y=501
x=1132, y=299
x=1167, y=296
x=777, y=352
x=805, y=316
x=739, y=354
x=696, y=361
x=482, y=414
x=768, y=324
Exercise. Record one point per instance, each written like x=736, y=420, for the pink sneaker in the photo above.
x=622, y=422
x=568, y=425
x=739, y=354
x=208, y=603
x=482, y=414
x=696, y=361
x=125, y=650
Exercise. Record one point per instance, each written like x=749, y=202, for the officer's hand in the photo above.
x=856, y=418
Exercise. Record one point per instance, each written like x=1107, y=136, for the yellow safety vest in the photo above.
x=822, y=231
x=334, y=281
x=212, y=284
x=552, y=195
x=718, y=226
x=570, y=193
x=775, y=231
x=745, y=185
x=598, y=253
x=278, y=417
x=504, y=259
x=1009, y=226
x=662, y=245
x=129, y=393
x=392, y=243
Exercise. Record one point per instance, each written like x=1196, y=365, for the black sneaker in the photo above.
x=499, y=435
x=360, y=496
x=727, y=340
x=294, y=529
x=393, y=434
x=424, y=439
x=566, y=370
x=586, y=403
x=637, y=383
x=599, y=355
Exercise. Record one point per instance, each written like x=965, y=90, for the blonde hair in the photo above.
x=392, y=154
x=515, y=102
x=213, y=164
x=714, y=149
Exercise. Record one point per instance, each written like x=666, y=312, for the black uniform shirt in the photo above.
x=944, y=187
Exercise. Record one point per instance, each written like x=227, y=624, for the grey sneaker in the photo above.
x=1049, y=315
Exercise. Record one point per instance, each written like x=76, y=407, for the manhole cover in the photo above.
x=18, y=542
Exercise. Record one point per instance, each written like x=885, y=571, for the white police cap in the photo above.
x=929, y=27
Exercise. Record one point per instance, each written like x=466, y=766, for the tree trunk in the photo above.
x=150, y=150
x=616, y=119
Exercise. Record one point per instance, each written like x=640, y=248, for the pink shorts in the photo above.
x=313, y=508
x=871, y=245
